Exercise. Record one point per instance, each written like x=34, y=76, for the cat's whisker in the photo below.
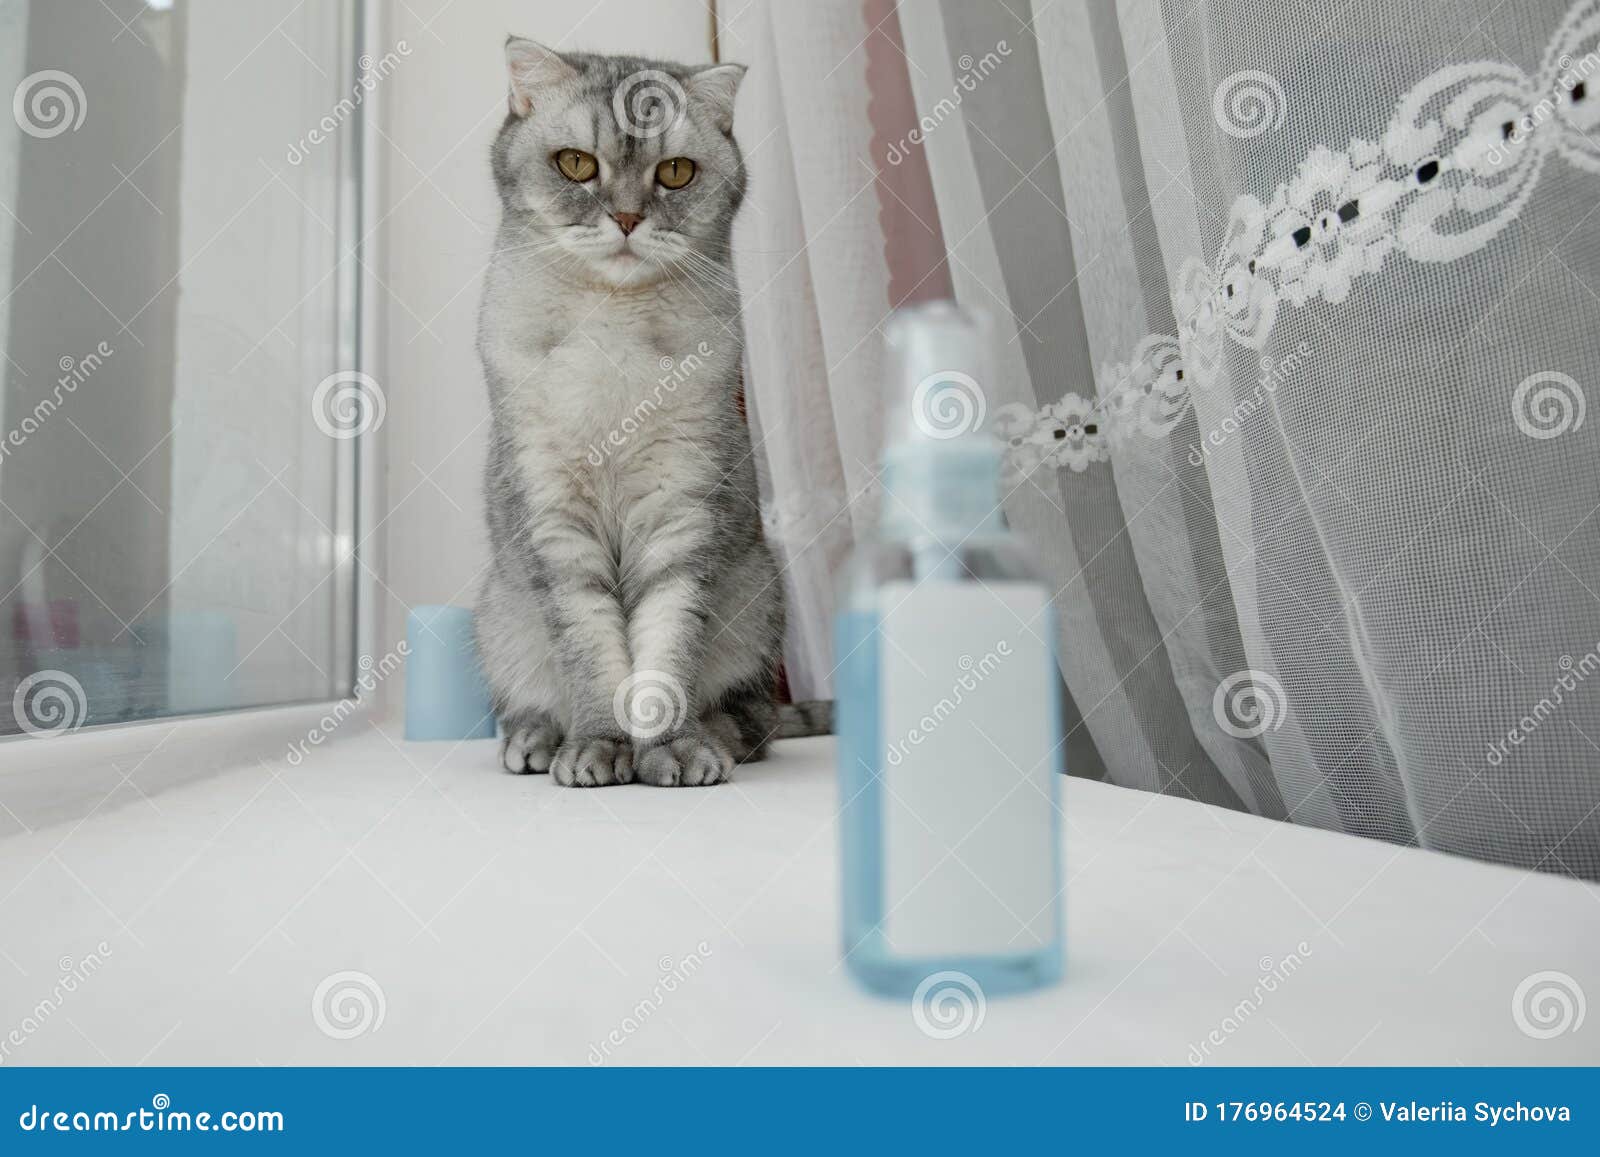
x=709, y=271
x=687, y=288
x=531, y=247
x=557, y=254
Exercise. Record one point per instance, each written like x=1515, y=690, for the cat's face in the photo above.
x=624, y=168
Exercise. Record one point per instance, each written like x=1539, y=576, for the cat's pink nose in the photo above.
x=627, y=222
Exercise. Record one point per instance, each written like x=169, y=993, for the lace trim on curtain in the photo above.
x=1462, y=154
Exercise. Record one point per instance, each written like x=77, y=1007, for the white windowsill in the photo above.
x=55, y=779
x=499, y=919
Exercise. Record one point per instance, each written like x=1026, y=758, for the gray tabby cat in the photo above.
x=631, y=623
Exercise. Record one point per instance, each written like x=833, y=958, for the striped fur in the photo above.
x=812, y=717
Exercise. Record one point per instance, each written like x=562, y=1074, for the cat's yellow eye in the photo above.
x=576, y=165
x=675, y=172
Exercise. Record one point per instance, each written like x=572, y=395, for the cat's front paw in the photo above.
x=530, y=749
x=593, y=761
x=693, y=759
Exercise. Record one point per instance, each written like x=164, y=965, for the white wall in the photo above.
x=442, y=108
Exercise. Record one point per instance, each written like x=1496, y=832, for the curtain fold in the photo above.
x=1299, y=319
x=809, y=258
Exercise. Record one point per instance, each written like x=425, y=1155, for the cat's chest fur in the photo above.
x=606, y=398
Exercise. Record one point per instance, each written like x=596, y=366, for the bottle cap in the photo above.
x=940, y=362
x=941, y=468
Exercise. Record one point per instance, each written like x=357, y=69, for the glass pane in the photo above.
x=173, y=536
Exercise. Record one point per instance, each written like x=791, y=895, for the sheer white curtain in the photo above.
x=815, y=287
x=1300, y=315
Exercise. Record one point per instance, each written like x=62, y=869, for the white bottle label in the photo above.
x=970, y=749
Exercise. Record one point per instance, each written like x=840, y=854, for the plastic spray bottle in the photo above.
x=948, y=705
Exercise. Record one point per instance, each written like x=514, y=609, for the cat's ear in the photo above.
x=716, y=87
x=531, y=66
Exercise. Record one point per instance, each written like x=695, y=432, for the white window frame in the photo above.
x=37, y=780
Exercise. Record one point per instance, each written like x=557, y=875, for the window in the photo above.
x=181, y=418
